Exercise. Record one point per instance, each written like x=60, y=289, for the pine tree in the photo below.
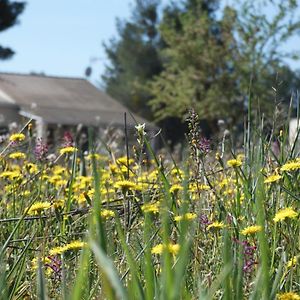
x=134, y=57
x=9, y=12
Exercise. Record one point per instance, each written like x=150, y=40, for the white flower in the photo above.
x=140, y=128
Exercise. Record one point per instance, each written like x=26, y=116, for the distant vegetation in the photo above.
x=9, y=13
x=205, y=55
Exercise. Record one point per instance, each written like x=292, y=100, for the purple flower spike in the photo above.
x=41, y=150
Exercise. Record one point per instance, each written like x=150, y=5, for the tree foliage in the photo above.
x=134, y=57
x=9, y=13
x=211, y=61
x=204, y=55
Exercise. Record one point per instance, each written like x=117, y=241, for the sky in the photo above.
x=63, y=37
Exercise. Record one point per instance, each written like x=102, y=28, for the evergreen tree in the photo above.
x=9, y=12
x=134, y=57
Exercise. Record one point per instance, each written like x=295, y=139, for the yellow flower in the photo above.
x=171, y=248
x=34, y=262
x=224, y=182
x=251, y=230
x=150, y=207
x=285, y=213
x=233, y=163
x=272, y=178
x=25, y=193
x=113, y=169
x=17, y=137
x=68, y=150
x=58, y=203
x=54, y=179
x=292, y=262
x=75, y=245
x=216, y=225
x=12, y=175
x=57, y=250
x=175, y=188
x=288, y=296
x=123, y=160
x=240, y=157
x=38, y=207
x=187, y=217
x=195, y=187
x=177, y=172
x=291, y=166
x=158, y=249
x=59, y=170
x=17, y=155
x=32, y=168
x=126, y=185
x=107, y=213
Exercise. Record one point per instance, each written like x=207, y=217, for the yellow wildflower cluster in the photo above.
x=75, y=245
x=126, y=185
x=107, y=213
x=292, y=262
x=251, y=230
x=68, y=150
x=187, y=217
x=150, y=207
x=288, y=296
x=17, y=137
x=291, y=166
x=272, y=178
x=171, y=248
x=38, y=207
x=285, y=213
x=175, y=188
x=17, y=155
x=210, y=196
x=216, y=225
x=234, y=163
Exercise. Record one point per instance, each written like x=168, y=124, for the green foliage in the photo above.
x=213, y=57
x=9, y=12
x=197, y=71
x=204, y=55
x=134, y=57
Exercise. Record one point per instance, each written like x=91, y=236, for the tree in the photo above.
x=9, y=12
x=197, y=65
x=210, y=60
x=134, y=57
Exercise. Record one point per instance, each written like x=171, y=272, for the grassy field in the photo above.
x=222, y=223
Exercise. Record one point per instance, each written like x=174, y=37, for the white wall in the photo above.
x=294, y=128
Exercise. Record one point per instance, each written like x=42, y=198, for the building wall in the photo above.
x=293, y=130
x=8, y=114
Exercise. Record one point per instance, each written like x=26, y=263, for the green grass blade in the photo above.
x=109, y=272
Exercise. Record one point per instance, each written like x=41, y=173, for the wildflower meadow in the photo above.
x=222, y=223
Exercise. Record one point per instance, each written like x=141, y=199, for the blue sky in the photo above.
x=61, y=37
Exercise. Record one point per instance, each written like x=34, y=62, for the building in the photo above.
x=294, y=133
x=57, y=103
